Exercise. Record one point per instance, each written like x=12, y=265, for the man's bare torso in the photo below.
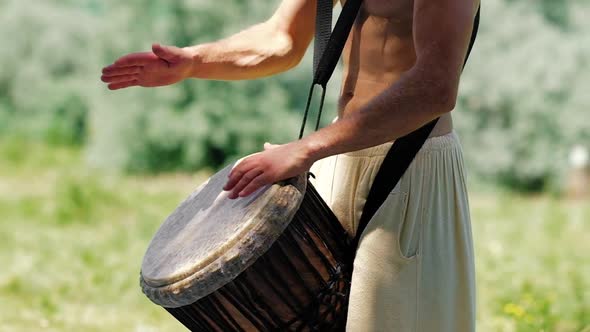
x=379, y=50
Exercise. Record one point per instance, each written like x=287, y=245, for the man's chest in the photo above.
x=385, y=20
x=395, y=10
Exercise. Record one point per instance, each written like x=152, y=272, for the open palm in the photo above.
x=164, y=65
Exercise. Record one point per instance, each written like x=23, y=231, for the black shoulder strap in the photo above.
x=323, y=30
x=328, y=46
x=399, y=158
x=330, y=53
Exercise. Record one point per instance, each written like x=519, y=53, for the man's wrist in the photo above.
x=313, y=149
x=197, y=54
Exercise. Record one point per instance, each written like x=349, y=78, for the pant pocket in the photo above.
x=409, y=229
x=397, y=225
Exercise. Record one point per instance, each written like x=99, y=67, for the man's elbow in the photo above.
x=288, y=51
x=443, y=97
x=296, y=53
x=448, y=98
x=293, y=58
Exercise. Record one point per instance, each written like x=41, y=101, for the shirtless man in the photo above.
x=402, y=62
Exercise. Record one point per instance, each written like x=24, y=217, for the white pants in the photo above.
x=414, y=268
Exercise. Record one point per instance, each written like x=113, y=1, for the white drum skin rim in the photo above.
x=276, y=208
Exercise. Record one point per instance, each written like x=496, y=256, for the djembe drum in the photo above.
x=277, y=260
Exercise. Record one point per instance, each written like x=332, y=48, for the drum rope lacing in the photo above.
x=325, y=281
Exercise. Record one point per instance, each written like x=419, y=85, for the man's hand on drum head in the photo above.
x=275, y=163
x=164, y=65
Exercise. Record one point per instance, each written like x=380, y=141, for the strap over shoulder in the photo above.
x=328, y=46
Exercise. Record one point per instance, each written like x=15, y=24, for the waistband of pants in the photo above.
x=450, y=140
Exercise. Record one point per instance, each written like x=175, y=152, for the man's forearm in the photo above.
x=256, y=52
x=404, y=107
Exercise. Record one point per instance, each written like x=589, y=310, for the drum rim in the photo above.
x=284, y=199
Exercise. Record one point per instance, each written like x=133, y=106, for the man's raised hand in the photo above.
x=164, y=65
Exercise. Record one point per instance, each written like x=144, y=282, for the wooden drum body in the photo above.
x=276, y=261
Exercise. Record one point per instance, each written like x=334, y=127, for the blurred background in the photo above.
x=87, y=175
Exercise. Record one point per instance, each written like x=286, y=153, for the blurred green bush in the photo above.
x=524, y=95
x=521, y=107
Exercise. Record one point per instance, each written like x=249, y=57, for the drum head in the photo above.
x=210, y=239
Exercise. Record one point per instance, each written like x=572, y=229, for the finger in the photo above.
x=136, y=59
x=119, y=79
x=268, y=146
x=254, y=185
x=166, y=53
x=117, y=86
x=118, y=71
x=245, y=181
x=237, y=172
x=233, y=178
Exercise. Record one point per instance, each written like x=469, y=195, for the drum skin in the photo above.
x=282, y=261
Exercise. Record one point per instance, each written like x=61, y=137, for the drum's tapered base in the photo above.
x=300, y=284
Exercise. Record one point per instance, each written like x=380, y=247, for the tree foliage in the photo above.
x=521, y=107
x=523, y=101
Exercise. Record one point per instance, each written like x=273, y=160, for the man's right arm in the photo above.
x=264, y=49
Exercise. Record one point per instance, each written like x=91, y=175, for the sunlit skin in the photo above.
x=402, y=64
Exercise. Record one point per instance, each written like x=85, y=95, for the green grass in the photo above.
x=72, y=240
x=532, y=263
